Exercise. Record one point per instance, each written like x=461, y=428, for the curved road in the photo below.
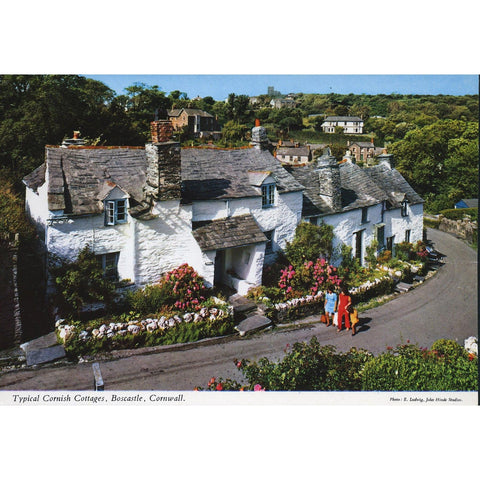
x=445, y=306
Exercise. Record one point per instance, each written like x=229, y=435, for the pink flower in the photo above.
x=239, y=364
x=258, y=388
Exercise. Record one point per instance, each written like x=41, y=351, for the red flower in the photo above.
x=211, y=382
x=219, y=387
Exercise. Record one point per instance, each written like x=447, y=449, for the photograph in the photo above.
x=164, y=236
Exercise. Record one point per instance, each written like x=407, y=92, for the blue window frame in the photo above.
x=109, y=264
x=268, y=195
x=115, y=211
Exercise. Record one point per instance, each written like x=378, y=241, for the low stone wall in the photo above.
x=463, y=228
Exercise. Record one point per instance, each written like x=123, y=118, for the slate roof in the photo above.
x=343, y=119
x=214, y=174
x=79, y=177
x=357, y=189
x=363, y=144
x=228, y=233
x=295, y=151
x=190, y=112
x=469, y=202
x=35, y=179
x=393, y=184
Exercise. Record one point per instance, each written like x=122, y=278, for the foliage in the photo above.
x=410, y=368
x=181, y=288
x=306, y=367
x=314, y=367
x=12, y=218
x=460, y=213
x=350, y=265
x=234, y=131
x=182, y=332
x=440, y=161
x=39, y=110
x=371, y=254
x=309, y=243
x=81, y=282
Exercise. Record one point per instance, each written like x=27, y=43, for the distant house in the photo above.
x=197, y=121
x=283, y=103
x=349, y=124
x=362, y=151
x=294, y=155
x=467, y=203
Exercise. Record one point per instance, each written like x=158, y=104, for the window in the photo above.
x=269, y=245
x=380, y=236
x=390, y=243
x=268, y=195
x=115, y=212
x=407, y=235
x=405, y=208
x=364, y=214
x=109, y=264
x=358, y=245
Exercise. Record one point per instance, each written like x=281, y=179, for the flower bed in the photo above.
x=133, y=331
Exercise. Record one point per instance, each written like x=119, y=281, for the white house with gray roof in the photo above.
x=362, y=204
x=349, y=124
x=146, y=210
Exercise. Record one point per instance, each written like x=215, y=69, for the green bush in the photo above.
x=181, y=288
x=310, y=243
x=410, y=368
x=308, y=367
x=81, y=282
x=430, y=222
x=459, y=213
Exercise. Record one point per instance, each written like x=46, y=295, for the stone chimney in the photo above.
x=329, y=176
x=386, y=159
x=348, y=157
x=163, y=163
x=259, y=136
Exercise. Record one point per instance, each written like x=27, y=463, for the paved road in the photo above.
x=445, y=306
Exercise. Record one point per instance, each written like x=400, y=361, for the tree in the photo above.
x=12, y=219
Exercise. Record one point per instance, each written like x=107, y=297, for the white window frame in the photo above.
x=116, y=211
x=268, y=195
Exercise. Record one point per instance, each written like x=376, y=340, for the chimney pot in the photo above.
x=257, y=122
x=76, y=134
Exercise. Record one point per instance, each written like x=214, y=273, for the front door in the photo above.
x=219, y=267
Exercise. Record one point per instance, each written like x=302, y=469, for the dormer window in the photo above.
x=268, y=195
x=115, y=211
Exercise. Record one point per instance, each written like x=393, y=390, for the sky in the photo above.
x=220, y=86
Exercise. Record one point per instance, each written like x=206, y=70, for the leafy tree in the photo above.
x=309, y=243
x=233, y=131
x=12, y=218
x=81, y=282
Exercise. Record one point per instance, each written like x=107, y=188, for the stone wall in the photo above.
x=10, y=319
x=463, y=228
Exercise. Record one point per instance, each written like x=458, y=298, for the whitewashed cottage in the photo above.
x=362, y=204
x=146, y=210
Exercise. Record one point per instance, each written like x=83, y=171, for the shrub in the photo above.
x=309, y=243
x=410, y=368
x=81, y=282
x=459, y=213
x=181, y=288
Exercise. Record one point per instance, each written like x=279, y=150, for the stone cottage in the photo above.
x=145, y=210
x=362, y=205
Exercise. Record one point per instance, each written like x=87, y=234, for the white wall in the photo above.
x=36, y=207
